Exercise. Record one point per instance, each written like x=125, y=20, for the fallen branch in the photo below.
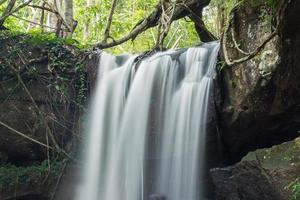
x=39, y=112
x=24, y=135
x=58, y=181
x=58, y=149
x=176, y=42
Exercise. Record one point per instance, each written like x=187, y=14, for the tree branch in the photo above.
x=153, y=19
x=204, y=34
x=43, y=8
x=31, y=22
x=24, y=135
x=133, y=34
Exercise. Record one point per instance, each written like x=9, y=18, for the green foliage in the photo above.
x=38, y=38
x=93, y=18
x=11, y=175
x=294, y=186
x=128, y=13
x=48, y=39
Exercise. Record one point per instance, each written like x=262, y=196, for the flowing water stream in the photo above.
x=147, y=126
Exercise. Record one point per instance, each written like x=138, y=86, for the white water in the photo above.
x=148, y=126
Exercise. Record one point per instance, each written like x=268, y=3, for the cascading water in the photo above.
x=148, y=126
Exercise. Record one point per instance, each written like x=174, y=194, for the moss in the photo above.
x=11, y=175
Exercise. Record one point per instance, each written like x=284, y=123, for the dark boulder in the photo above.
x=261, y=97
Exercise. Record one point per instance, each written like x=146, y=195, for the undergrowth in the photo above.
x=11, y=175
x=294, y=187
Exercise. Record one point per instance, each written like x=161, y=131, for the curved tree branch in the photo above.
x=204, y=34
x=153, y=19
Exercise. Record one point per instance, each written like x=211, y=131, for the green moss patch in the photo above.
x=11, y=175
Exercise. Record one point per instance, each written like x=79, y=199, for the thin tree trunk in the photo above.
x=42, y=17
x=223, y=19
x=86, y=28
x=36, y=16
x=68, y=15
x=8, y=9
x=51, y=17
x=109, y=20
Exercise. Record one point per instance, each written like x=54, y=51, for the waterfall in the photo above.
x=148, y=126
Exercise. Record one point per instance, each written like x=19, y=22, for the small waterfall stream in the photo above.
x=148, y=126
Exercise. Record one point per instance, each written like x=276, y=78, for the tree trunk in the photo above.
x=51, y=17
x=221, y=18
x=36, y=16
x=68, y=16
x=86, y=28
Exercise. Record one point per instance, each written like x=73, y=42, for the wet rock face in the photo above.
x=261, y=97
x=249, y=181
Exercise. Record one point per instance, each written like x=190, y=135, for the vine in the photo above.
x=250, y=55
